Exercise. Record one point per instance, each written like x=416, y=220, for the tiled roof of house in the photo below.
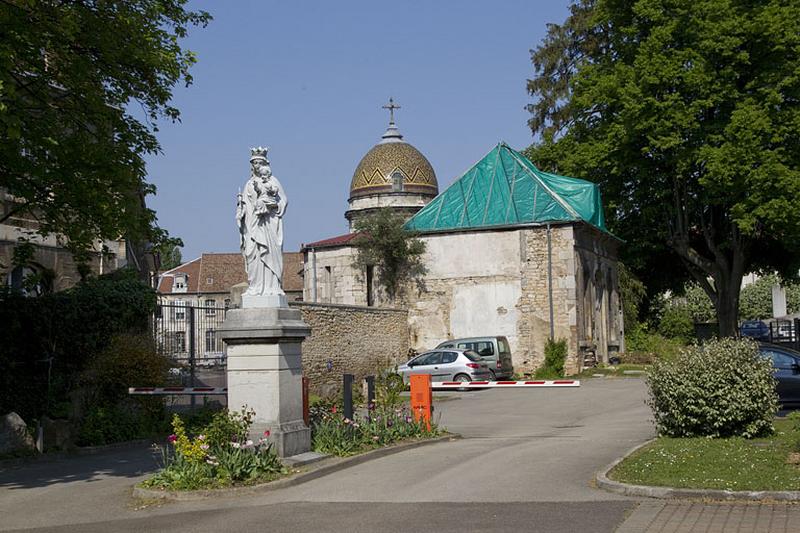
x=191, y=269
x=333, y=241
x=292, y=271
x=218, y=272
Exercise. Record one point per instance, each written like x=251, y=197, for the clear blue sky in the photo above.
x=308, y=80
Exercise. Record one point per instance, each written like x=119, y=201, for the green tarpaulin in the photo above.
x=505, y=188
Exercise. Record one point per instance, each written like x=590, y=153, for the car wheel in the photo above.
x=462, y=378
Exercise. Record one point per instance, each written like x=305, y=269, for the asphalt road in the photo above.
x=526, y=462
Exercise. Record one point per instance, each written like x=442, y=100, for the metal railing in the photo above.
x=189, y=336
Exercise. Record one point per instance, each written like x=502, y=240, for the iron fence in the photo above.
x=189, y=336
x=785, y=332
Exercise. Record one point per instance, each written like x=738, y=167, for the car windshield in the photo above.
x=472, y=356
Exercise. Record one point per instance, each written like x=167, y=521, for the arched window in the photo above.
x=397, y=181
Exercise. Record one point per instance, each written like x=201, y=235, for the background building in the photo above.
x=511, y=250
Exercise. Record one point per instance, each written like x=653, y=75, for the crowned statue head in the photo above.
x=260, y=162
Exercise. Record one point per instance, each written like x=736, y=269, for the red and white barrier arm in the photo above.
x=200, y=391
x=506, y=384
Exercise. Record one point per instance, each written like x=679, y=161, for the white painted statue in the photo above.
x=259, y=214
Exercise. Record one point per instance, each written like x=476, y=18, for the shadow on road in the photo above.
x=127, y=463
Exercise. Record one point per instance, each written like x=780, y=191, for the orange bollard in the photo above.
x=422, y=398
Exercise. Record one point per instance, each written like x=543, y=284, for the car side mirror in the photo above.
x=411, y=364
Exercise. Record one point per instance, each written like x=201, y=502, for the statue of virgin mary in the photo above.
x=259, y=214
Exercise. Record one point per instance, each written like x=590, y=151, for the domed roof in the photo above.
x=393, y=165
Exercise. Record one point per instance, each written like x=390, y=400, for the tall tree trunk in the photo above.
x=726, y=304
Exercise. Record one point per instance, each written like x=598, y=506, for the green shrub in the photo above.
x=721, y=389
x=639, y=340
x=555, y=355
x=676, y=323
x=56, y=336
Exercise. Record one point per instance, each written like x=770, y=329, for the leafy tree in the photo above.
x=82, y=84
x=632, y=293
x=756, y=299
x=169, y=251
x=687, y=112
x=394, y=252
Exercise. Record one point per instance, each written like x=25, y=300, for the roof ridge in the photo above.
x=555, y=196
x=171, y=270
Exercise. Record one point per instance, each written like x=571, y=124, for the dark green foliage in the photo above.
x=688, y=114
x=393, y=251
x=632, y=292
x=63, y=333
x=555, y=355
x=169, y=252
x=70, y=74
x=646, y=346
x=676, y=323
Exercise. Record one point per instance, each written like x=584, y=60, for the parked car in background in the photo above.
x=755, y=329
x=787, y=372
x=447, y=365
x=493, y=350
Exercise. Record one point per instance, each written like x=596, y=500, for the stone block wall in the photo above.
x=356, y=340
x=533, y=327
x=336, y=280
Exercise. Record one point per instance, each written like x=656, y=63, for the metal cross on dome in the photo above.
x=391, y=106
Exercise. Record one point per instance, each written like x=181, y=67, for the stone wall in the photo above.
x=336, y=280
x=356, y=340
x=533, y=328
x=600, y=324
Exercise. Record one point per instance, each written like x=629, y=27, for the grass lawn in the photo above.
x=700, y=463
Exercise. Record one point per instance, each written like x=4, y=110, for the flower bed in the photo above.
x=380, y=426
x=220, y=455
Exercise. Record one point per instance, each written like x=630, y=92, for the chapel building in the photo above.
x=510, y=250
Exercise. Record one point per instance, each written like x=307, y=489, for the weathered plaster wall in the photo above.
x=356, y=340
x=471, y=288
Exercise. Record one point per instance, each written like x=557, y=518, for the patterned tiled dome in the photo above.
x=393, y=165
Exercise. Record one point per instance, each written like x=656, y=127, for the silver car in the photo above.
x=447, y=365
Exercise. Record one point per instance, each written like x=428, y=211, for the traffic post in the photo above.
x=422, y=398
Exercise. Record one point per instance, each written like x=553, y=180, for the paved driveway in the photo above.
x=526, y=461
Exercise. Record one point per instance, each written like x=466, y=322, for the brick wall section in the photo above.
x=357, y=340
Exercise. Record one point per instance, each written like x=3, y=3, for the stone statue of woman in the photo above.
x=259, y=214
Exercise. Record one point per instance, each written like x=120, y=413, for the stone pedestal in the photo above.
x=265, y=373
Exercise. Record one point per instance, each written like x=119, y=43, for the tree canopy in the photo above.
x=394, y=252
x=82, y=87
x=687, y=112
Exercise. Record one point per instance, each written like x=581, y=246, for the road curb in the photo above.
x=649, y=491
x=318, y=470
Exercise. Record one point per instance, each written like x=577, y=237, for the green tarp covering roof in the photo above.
x=505, y=188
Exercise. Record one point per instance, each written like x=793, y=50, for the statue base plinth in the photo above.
x=265, y=373
x=264, y=300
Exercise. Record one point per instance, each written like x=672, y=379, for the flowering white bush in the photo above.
x=720, y=389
